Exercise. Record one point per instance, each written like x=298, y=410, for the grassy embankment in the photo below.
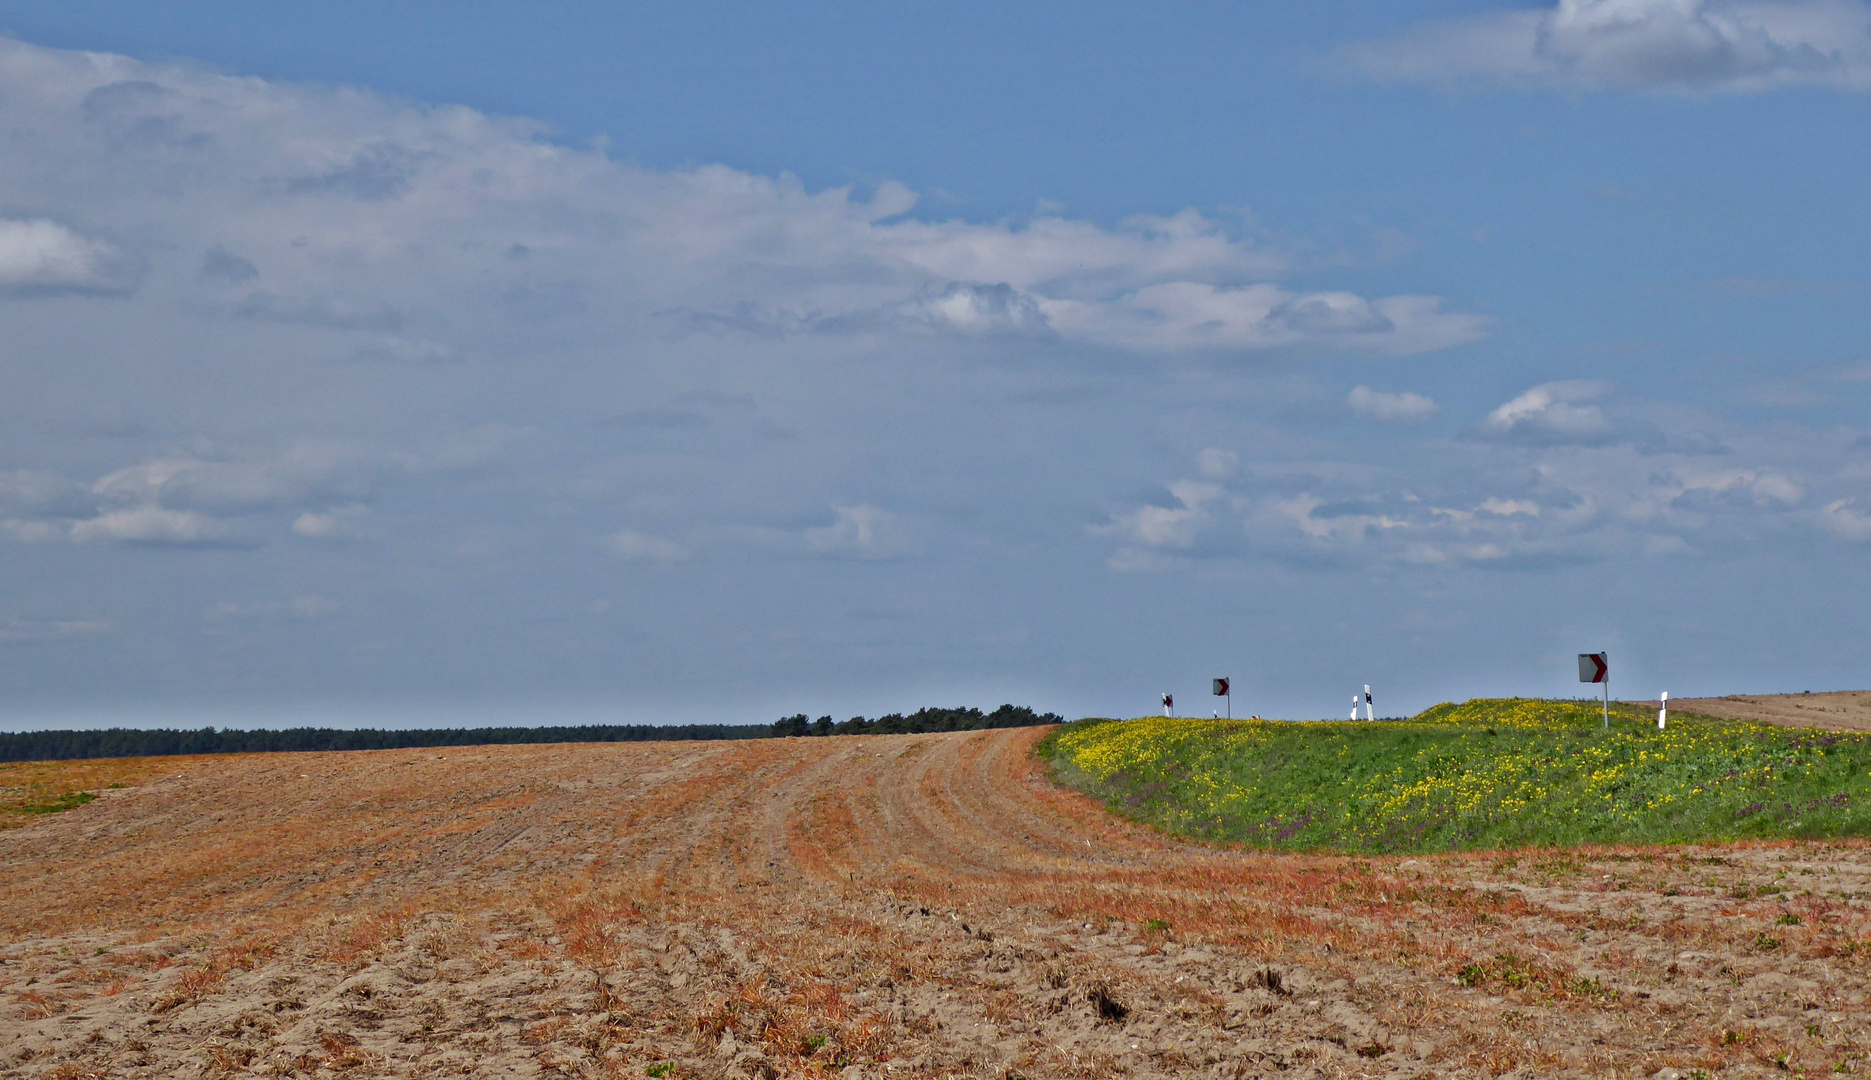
x=1485, y=774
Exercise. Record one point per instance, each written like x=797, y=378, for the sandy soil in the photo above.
x=888, y=906
x=1843, y=710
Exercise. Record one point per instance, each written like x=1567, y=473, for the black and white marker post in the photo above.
x=1220, y=689
x=1367, y=703
x=1169, y=704
x=1595, y=667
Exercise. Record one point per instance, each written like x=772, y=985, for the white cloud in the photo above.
x=154, y=525
x=861, y=532
x=1401, y=407
x=338, y=523
x=1552, y=414
x=1739, y=490
x=183, y=499
x=969, y=308
x=642, y=547
x=42, y=256
x=1736, y=46
x=1844, y=519
x=1148, y=532
x=405, y=230
x=41, y=492
x=1575, y=503
x=1187, y=315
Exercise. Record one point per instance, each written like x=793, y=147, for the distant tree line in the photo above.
x=920, y=722
x=139, y=742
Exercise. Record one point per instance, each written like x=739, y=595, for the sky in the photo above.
x=420, y=364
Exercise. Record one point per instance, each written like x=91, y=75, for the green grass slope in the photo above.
x=1484, y=774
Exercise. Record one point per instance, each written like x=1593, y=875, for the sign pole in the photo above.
x=1607, y=692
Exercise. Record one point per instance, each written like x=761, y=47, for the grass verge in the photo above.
x=1485, y=774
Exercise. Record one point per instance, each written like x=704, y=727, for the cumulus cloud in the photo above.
x=969, y=308
x=1189, y=315
x=1147, y=532
x=1738, y=490
x=156, y=526
x=1847, y=519
x=305, y=472
x=1735, y=46
x=314, y=488
x=338, y=523
x=1553, y=414
x=1401, y=407
x=1564, y=502
x=861, y=532
x=357, y=207
x=42, y=256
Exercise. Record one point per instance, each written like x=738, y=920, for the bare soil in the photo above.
x=880, y=906
x=1842, y=710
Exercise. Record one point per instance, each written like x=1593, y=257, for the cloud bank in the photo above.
x=1581, y=482
x=1680, y=46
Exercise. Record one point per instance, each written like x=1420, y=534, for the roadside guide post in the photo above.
x=1354, y=706
x=1663, y=714
x=1169, y=704
x=1367, y=702
x=1595, y=667
x=1220, y=689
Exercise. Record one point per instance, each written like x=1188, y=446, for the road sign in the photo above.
x=1220, y=688
x=1595, y=667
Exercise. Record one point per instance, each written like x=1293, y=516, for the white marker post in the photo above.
x=1663, y=714
x=1367, y=702
x=1169, y=704
x=1354, y=706
x=1595, y=667
x=1220, y=689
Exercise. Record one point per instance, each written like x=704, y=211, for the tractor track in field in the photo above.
x=868, y=906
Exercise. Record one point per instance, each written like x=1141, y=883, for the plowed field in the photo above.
x=1839, y=710
x=867, y=906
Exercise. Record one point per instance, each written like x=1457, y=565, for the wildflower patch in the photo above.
x=1498, y=773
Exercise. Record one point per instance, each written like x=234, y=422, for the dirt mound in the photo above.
x=887, y=906
x=1843, y=710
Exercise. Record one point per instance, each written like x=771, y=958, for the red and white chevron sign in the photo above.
x=1594, y=666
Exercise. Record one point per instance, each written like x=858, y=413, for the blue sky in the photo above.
x=435, y=364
